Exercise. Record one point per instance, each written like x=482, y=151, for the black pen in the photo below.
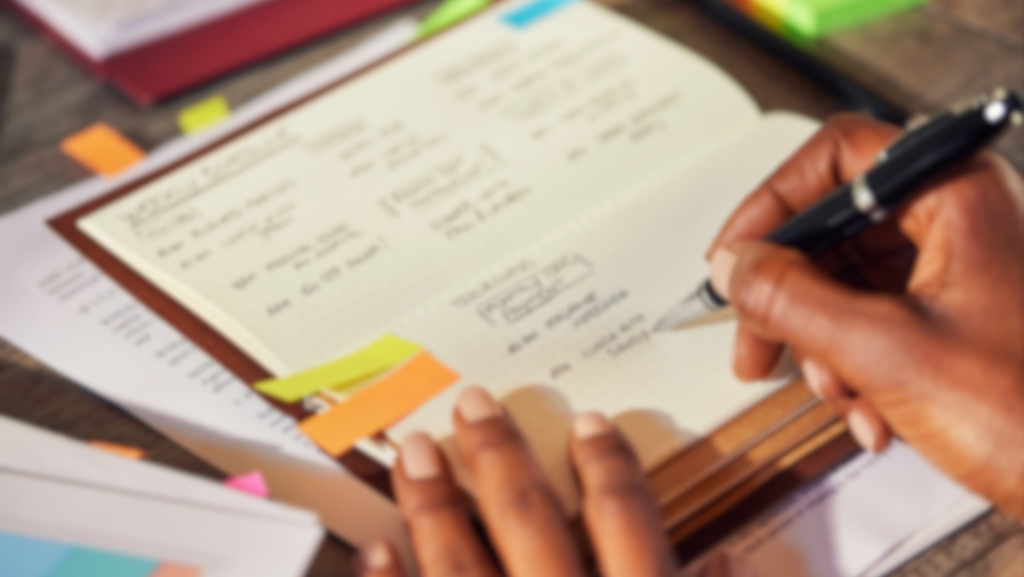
x=921, y=155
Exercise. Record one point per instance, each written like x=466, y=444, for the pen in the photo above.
x=922, y=154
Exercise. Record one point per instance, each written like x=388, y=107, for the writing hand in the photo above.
x=916, y=327
x=522, y=516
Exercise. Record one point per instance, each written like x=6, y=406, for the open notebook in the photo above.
x=523, y=196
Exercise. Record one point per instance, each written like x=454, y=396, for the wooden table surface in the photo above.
x=946, y=50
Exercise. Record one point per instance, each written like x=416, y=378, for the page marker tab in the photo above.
x=252, y=483
x=175, y=570
x=204, y=115
x=449, y=13
x=533, y=12
x=381, y=355
x=102, y=150
x=82, y=561
x=132, y=453
x=379, y=406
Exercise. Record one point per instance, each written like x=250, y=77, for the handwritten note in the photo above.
x=379, y=356
x=325, y=225
x=377, y=407
x=103, y=150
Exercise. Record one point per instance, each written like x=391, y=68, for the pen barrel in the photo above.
x=824, y=226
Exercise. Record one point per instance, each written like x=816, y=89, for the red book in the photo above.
x=172, y=65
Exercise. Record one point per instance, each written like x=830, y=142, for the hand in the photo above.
x=523, y=518
x=916, y=327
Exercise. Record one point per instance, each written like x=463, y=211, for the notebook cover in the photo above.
x=189, y=59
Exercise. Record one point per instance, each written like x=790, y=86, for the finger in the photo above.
x=618, y=507
x=866, y=426
x=380, y=561
x=523, y=517
x=753, y=357
x=846, y=146
x=823, y=382
x=437, y=513
x=783, y=298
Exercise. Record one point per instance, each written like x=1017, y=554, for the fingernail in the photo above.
x=377, y=556
x=590, y=425
x=862, y=431
x=420, y=457
x=815, y=377
x=722, y=263
x=476, y=404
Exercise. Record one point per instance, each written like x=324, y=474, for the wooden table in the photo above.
x=946, y=50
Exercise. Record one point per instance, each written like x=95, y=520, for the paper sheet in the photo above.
x=508, y=135
x=63, y=487
x=565, y=326
x=852, y=520
x=193, y=401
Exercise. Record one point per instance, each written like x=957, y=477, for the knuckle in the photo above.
x=527, y=502
x=618, y=499
x=458, y=562
x=450, y=502
x=762, y=295
x=496, y=437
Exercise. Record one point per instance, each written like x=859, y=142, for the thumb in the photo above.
x=782, y=297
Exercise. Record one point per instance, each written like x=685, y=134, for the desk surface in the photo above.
x=918, y=60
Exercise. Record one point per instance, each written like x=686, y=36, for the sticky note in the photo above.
x=534, y=12
x=252, y=483
x=385, y=353
x=380, y=405
x=449, y=13
x=204, y=115
x=102, y=150
x=83, y=561
x=809, y=19
x=125, y=451
x=28, y=557
x=175, y=570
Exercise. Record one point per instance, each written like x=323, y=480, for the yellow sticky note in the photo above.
x=379, y=406
x=380, y=356
x=205, y=114
x=132, y=453
x=103, y=150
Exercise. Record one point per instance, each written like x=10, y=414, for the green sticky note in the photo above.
x=83, y=561
x=204, y=115
x=449, y=13
x=814, y=18
x=383, y=354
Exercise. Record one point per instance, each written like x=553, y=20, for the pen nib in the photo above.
x=693, y=311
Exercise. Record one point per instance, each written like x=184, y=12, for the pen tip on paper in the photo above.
x=688, y=311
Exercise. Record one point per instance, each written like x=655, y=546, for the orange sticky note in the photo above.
x=175, y=570
x=125, y=451
x=103, y=150
x=380, y=405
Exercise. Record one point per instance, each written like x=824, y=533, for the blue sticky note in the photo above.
x=533, y=12
x=28, y=557
x=83, y=561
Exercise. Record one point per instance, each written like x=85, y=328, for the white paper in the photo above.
x=104, y=28
x=65, y=491
x=871, y=510
x=194, y=402
x=566, y=325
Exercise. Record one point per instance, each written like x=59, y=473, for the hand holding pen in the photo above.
x=914, y=326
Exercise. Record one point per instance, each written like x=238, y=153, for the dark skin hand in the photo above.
x=524, y=520
x=915, y=328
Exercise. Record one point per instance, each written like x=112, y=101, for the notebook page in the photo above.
x=566, y=327
x=306, y=237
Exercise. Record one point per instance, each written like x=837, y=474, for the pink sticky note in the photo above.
x=252, y=483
